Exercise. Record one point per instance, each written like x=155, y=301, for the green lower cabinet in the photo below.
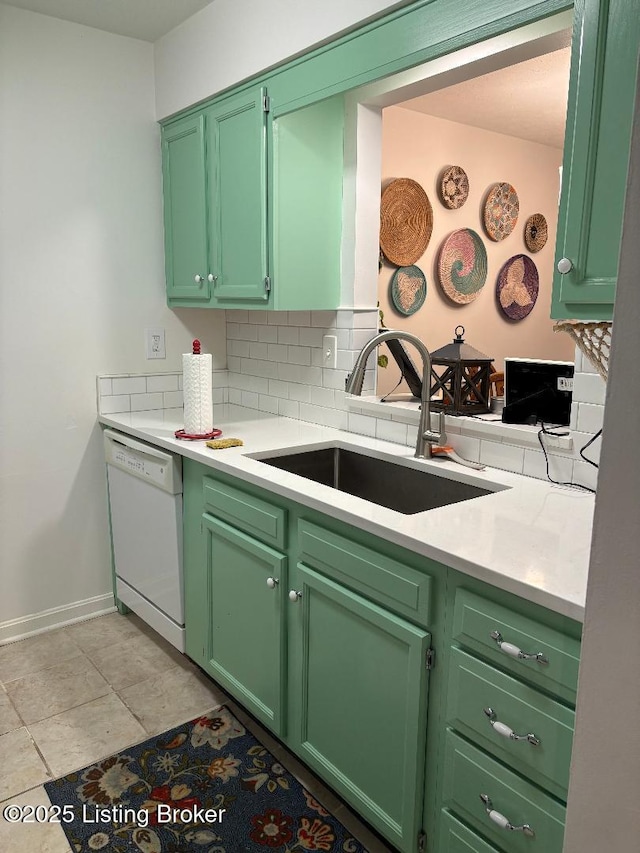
x=359, y=694
x=486, y=795
x=542, y=729
x=246, y=643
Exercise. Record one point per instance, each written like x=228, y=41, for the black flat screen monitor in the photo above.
x=537, y=391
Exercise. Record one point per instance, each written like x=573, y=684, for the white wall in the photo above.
x=604, y=790
x=81, y=276
x=229, y=41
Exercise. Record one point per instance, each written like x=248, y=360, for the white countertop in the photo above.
x=531, y=538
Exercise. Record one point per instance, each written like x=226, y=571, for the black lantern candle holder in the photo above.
x=460, y=378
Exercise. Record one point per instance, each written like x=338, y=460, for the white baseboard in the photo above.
x=56, y=617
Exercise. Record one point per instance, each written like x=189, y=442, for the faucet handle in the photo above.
x=436, y=437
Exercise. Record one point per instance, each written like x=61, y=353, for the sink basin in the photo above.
x=390, y=484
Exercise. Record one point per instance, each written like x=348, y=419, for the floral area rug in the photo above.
x=207, y=786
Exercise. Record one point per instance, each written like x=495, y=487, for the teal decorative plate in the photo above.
x=408, y=290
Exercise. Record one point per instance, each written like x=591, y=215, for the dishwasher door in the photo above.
x=146, y=528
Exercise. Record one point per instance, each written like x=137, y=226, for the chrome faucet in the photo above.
x=426, y=436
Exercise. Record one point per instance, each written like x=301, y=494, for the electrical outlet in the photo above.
x=329, y=351
x=154, y=343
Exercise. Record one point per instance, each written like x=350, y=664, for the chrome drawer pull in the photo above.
x=514, y=651
x=504, y=730
x=501, y=820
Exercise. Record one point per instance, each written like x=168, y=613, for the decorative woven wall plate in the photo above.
x=501, y=211
x=517, y=287
x=406, y=222
x=454, y=187
x=535, y=232
x=408, y=289
x=462, y=266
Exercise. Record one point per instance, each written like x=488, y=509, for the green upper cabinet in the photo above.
x=185, y=211
x=237, y=199
x=596, y=155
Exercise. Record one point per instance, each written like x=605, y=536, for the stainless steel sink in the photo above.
x=396, y=486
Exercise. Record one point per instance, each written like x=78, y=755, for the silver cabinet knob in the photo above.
x=211, y=278
x=272, y=583
x=564, y=266
x=506, y=731
x=501, y=821
x=198, y=279
x=294, y=595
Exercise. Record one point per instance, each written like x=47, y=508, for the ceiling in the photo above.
x=527, y=100
x=141, y=19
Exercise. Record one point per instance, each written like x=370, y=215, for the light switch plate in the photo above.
x=330, y=351
x=154, y=343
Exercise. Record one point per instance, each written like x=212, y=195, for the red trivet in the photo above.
x=215, y=433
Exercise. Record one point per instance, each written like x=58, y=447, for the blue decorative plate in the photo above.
x=408, y=290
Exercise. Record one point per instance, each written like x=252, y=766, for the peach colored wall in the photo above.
x=419, y=146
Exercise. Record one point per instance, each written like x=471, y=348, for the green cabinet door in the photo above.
x=246, y=581
x=359, y=700
x=185, y=210
x=237, y=196
x=596, y=156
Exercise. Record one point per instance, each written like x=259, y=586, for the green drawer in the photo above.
x=476, y=618
x=474, y=686
x=253, y=515
x=455, y=837
x=468, y=773
x=392, y=584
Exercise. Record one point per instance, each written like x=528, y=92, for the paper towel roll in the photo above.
x=196, y=389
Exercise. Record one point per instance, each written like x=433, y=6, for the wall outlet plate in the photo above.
x=154, y=343
x=329, y=351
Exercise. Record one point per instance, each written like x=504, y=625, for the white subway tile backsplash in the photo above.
x=116, y=403
x=585, y=474
x=289, y=408
x=580, y=439
x=268, y=404
x=277, y=352
x=299, y=355
x=560, y=467
x=237, y=315
x=257, y=317
x=268, y=334
x=105, y=387
x=129, y=385
x=391, y=431
x=278, y=318
x=324, y=319
x=324, y=397
x=143, y=402
x=589, y=388
x=368, y=319
x=590, y=417
x=333, y=378
x=220, y=396
x=466, y=446
x=234, y=363
x=162, y=382
x=235, y=396
x=256, y=367
x=247, y=332
x=277, y=388
x=344, y=319
x=241, y=348
x=359, y=337
x=172, y=399
x=299, y=318
x=250, y=399
x=361, y=424
x=311, y=337
x=288, y=335
x=345, y=359
x=233, y=331
x=499, y=455
x=259, y=350
x=301, y=393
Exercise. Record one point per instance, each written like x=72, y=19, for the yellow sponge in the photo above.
x=221, y=443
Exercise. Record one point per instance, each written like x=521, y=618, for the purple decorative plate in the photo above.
x=517, y=287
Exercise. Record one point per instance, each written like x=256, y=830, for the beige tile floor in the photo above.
x=72, y=696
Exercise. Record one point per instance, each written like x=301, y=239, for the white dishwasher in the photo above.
x=145, y=499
